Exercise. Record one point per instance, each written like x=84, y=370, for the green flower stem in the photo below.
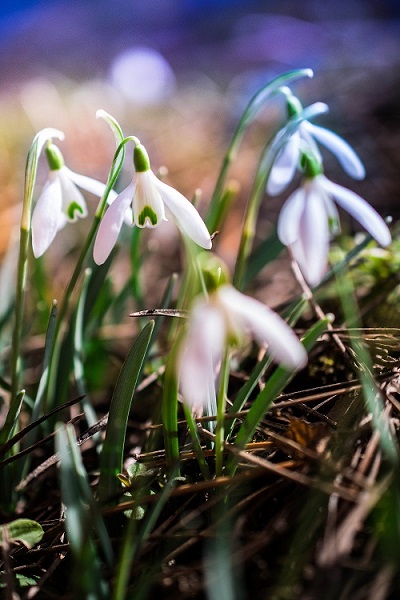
x=136, y=263
x=25, y=230
x=221, y=406
x=191, y=423
x=255, y=104
x=264, y=168
x=169, y=408
x=80, y=265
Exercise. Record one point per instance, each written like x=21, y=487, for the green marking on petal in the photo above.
x=147, y=213
x=333, y=224
x=72, y=209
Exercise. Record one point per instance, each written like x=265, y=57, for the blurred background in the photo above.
x=178, y=73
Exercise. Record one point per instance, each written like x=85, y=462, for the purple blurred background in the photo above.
x=186, y=68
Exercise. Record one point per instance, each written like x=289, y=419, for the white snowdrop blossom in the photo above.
x=148, y=197
x=225, y=316
x=306, y=139
x=60, y=201
x=309, y=216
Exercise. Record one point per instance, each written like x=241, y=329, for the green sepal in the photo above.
x=310, y=165
x=141, y=159
x=214, y=271
x=54, y=157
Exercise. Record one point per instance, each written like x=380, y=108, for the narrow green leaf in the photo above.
x=169, y=407
x=372, y=394
x=82, y=518
x=260, y=368
x=134, y=540
x=78, y=358
x=274, y=386
x=111, y=458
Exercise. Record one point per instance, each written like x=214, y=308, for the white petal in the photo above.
x=311, y=249
x=111, y=224
x=266, y=326
x=340, y=148
x=359, y=208
x=284, y=166
x=186, y=216
x=46, y=216
x=91, y=185
x=73, y=203
x=148, y=206
x=289, y=217
x=200, y=355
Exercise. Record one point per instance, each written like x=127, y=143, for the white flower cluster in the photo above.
x=307, y=220
x=309, y=216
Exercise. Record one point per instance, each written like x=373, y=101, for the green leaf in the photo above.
x=111, y=459
x=82, y=518
x=21, y=531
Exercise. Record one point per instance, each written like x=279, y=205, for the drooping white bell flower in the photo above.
x=306, y=139
x=147, y=196
x=309, y=217
x=225, y=316
x=60, y=201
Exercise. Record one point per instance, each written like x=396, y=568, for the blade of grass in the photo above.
x=78, y=358
x=245, y=391
x=134, y=541
x=111, y=458
x=196, y=442
x=372, y=394
x=274, y=386
x=169, y=409
x=80, y=522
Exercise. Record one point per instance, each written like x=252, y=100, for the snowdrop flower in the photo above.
x=148, y=197
x=309, y=216
x=60, y=201
x=306, y=139
x=221, y=319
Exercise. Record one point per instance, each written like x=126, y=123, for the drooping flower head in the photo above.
x=309, y=217
x=60, y=201
x=225, y=317
x=148, y=197
x=305, y=140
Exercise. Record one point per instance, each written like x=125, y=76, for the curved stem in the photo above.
x=264, y=168
x=80, y=265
